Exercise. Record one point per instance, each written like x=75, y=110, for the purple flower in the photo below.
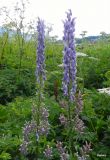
x=28, y=128
x=62, y=151
x=40, y=69
x=69, y=57
x=44, y=128
x=24, y=148
x=87, y=147
x=63, y=119
x=79, y=104
x=48, y=152
x=79, y=125
x=44, y=114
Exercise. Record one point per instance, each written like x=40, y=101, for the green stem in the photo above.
x=3, y=48
x=93, y=128
x=38, y=114
x=69, y=127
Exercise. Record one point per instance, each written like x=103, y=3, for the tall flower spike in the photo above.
x=69, y=57
x=40, y=69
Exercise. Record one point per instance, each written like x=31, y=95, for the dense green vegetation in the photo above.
x=18, y=88
x=18, y=94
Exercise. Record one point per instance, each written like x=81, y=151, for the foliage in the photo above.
x=5, y=156
x=18, y=91
x=12, y=86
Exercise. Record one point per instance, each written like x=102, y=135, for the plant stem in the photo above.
x=38, y=114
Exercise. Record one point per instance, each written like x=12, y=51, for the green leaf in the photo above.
x=5, y=156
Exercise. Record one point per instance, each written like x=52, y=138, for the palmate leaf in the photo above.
x=107, y=75
x=5, y=156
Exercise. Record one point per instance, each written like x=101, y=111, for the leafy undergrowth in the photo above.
x=18, y=89
x=96, y=117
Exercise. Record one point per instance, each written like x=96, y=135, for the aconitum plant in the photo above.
x=39, y=126
x=40, y=67
x=69, y=57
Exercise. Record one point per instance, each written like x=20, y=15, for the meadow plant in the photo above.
x=40, y=70
x=73, y=105
x=42, y=112
x=63, y=119
x=69, y=78
x=79, y=124
x=69, y=57
x=48, y=152
x=44, y=125
x=39, y=124
x=84, y=151
x=74, y=131
x=73, y=123
x=62, y=151
x=28, y=128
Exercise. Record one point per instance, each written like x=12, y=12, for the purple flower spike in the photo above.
x=40, y=70
x=69, y=57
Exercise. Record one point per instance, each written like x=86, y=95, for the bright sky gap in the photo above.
x=91, y=15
